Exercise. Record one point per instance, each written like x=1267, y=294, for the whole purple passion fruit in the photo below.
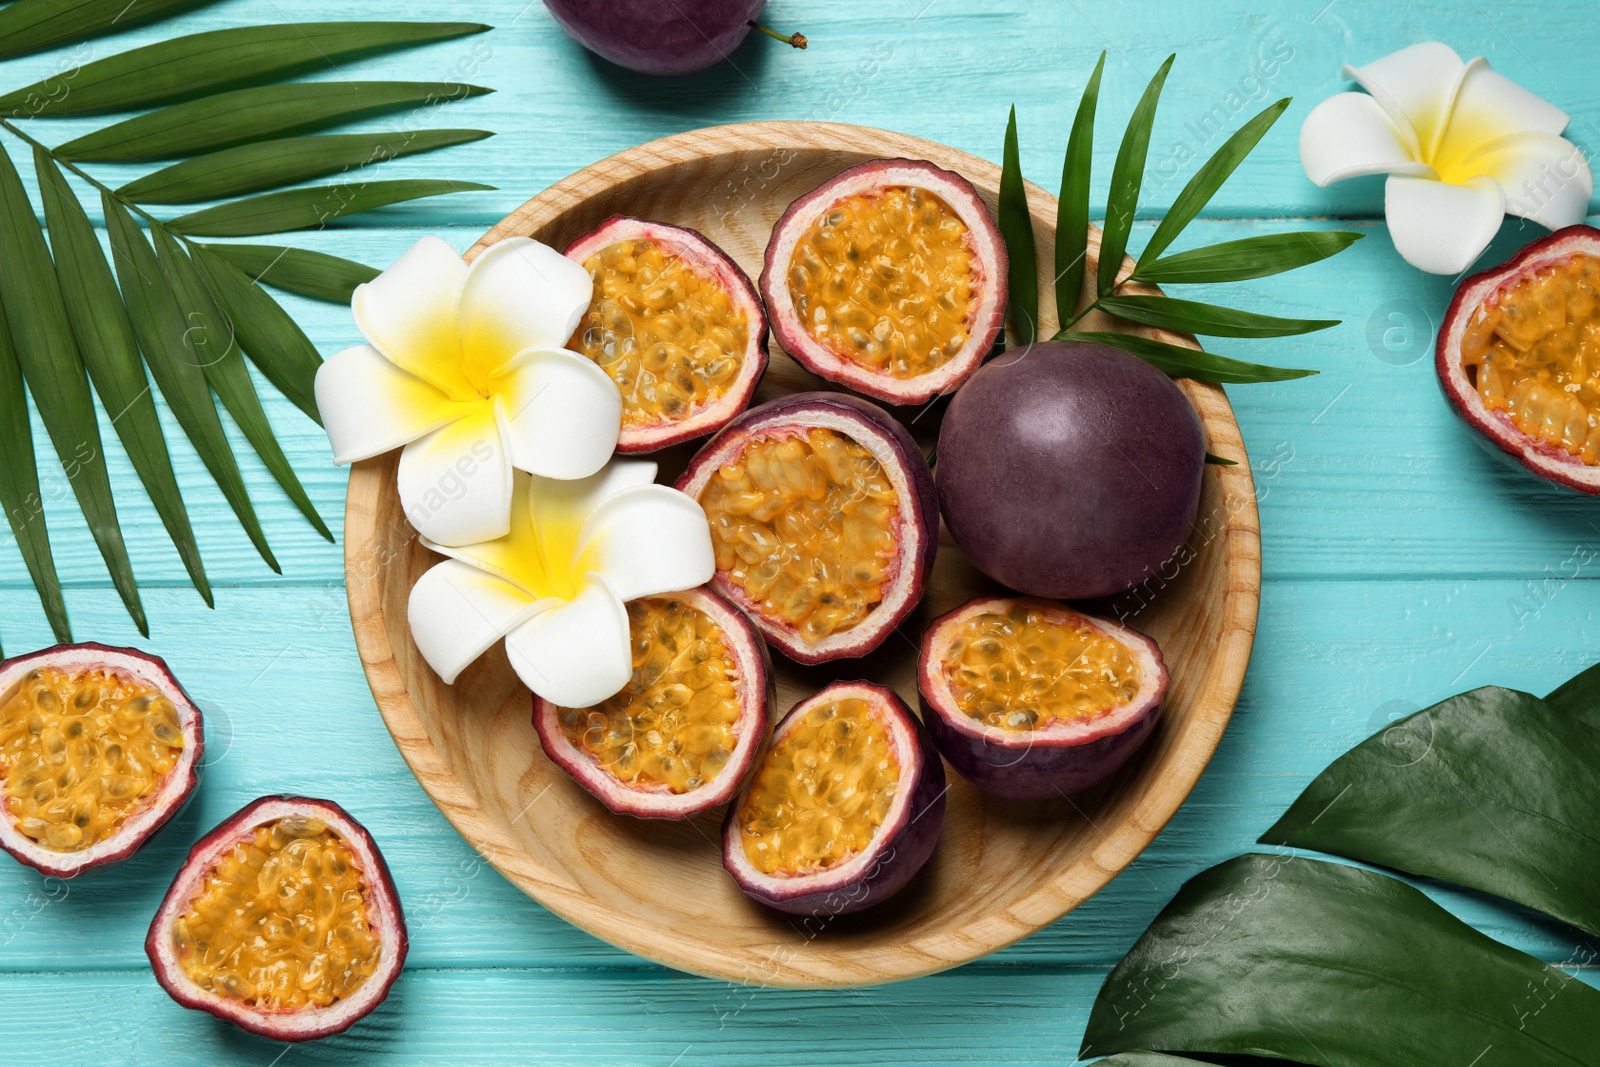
x=1516, y=351
x=1070, y=470
x=824, y=522
x=845, y=806
x=1028, y=698
x=282, y=921
x=656, y=37
x=99, y=747
x=684, y=732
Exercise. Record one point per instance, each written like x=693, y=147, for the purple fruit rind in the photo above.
x=652, y=37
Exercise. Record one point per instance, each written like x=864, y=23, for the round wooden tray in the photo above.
x=1003, y=869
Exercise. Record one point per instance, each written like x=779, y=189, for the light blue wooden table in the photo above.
x=1402, y=562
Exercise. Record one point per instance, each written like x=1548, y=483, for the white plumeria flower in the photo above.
x=464, y=366
x=554, y=586
x=1462, y=145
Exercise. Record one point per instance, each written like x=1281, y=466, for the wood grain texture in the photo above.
x=1003, y=870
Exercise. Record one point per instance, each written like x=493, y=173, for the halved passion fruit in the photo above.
x=889, y=279
x=681, y=736
x=1028, y=698
x=99, y=747
x=824, y=522
x=675, y=323
x=283, y=921
x=845, y=806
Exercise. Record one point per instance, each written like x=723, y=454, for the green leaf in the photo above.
x=1336, y=966
x=111, y=353
x=1220, y=462
x=1492, y=789
x=314, y=274
x=300, y=209
x=1183, y=362
x=1016, y=228
x=272, y=164
x=19, y=488
x=246, y=115
x=1251, y=257
x=1209, y=178
x=1189, y=316
x=1127, y=175
x=55, y=375
x=265, y=331
x=163, y=331
x=1148, y=1059
x=1072, y=208
x=200, y=63
x=1579, y=696
x=32, y=25
x=213, y=345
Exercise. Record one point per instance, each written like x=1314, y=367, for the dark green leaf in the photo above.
x=31, y=25
x=1127, y=175
x=272, y=164
x=1189, y=316
x=1493, y=789
x=213, y=345
x=1183, y=362
x=1336, y=966
x=1220, y=462
x=301, y=209
x=1148, y=1059
x=111, y=354
x=314, y=274
x=1579, y=696
x=266, y=332
x=55, y=375
x=200, y=63
x=163, y=335
x=246, y=115
x=1251, y=257
x=1208, y=179
x=1072, y=209
x=1016, y=228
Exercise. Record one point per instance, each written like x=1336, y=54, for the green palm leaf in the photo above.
x=29, y=25
x=264, y=330
x=1183, y=362
x=1016, y=228
x=300, y=209
x=1072, y=209
x=1189, y=316
x=1245, y=259
x=1127, y=176
x=314, y=274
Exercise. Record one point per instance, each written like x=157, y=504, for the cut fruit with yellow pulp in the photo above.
x=1025, y=669
x=1533, y=352
x=281, y=921
x=821, y=792
x=805, y=525
x=674, y=725
x=83, y=751
x=886, y=279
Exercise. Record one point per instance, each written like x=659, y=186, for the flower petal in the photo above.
x=1489, y=108
x=647, y=540
x=369, y=405
x=1442, y=228
x=560, y=509
x=561, y=414
x=409, y=314
x=1544, y=177
x=458, y=612
x=577, y=653
x=455, y=483
x=1348, y=135
x=519, y=294
x=1416, y=86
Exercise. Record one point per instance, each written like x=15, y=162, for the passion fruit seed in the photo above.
x=82, y=750
x=1022, y=669
x=1532, y=350
x=805, y=525
x=821, y=792
x=281, y=921
x=674, y=724
x=885, y=279
x=672, y=340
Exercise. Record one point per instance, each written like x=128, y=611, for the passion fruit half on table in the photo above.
x=283, y=921
x=683, y=733
x=99, y=747
x=889, y=279
x=1029, y=698
x=823, y=519
x=845, y=806
x=1519, y=356
x=675, y=323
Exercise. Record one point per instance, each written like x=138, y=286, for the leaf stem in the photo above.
x=795, y=40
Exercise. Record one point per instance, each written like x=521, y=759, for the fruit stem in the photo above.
x=797, y=40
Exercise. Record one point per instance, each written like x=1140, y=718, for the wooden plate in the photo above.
x=1003, y=869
